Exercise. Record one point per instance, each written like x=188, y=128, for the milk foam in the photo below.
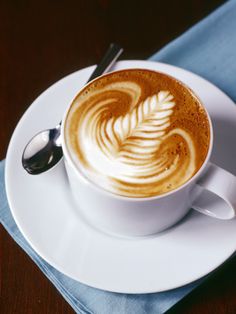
x=132, y=154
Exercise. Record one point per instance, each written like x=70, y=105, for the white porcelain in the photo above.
x=44, y=211
x=127, y=216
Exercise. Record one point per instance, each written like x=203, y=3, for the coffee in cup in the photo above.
x=137, y=133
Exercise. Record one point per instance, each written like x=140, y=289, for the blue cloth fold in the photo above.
x=207, y=49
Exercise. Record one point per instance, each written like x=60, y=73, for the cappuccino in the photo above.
x=137, y=133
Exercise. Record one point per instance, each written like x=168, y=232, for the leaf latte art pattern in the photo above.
x=136, y=151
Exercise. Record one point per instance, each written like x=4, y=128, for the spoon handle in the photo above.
x=113, y=52
x=44, y=150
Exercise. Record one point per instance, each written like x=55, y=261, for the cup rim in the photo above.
x=131, y=198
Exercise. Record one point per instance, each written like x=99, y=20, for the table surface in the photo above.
x=42, y=41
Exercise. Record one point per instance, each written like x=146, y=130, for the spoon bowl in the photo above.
x=43, y=151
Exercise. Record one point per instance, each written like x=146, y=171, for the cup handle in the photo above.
x=215, y=193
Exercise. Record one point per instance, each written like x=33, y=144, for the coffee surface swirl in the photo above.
x=137, y=133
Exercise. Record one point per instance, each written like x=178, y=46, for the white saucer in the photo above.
x=44, y=212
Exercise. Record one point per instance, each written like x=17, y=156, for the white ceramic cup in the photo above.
x=211, y=191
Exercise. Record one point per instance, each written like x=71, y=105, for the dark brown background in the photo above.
x=42, y=41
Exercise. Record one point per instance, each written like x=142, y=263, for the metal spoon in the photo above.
x=44, y=150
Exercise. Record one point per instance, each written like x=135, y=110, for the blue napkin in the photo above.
x=207, y=49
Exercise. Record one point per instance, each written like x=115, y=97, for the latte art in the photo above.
x=128, y=141
x=133, y=150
